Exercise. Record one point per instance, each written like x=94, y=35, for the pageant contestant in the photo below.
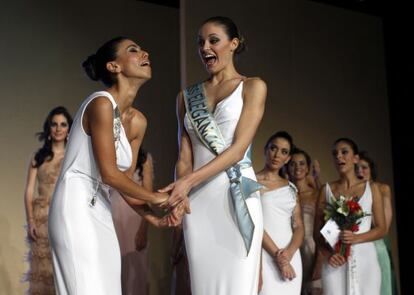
x=360, y=272
x=104, y=142
x=218, y=119
x=44, y=169
x=281, y=265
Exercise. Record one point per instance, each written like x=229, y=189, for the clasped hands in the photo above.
x=177, y=203
x=282, y=258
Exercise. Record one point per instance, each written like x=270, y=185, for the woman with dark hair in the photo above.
x=299, y=171
x=367, y=170
x=282, y=219
x=360, y=273
x=44, y=169
x=217, y=121
x=101, y=154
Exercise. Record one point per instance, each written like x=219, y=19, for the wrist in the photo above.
x=191, y=180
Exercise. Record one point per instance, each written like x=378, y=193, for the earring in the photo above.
x=49, y=138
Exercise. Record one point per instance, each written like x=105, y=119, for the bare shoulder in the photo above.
x=137, y=117
x=100, y=105
x=136, y=120
x=254, y=84
x=384, y=188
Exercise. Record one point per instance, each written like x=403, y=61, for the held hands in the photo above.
x=178, y=191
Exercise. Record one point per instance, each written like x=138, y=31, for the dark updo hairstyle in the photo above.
x=95, y=64
x=298, y=151
x=45, y=152
x=363, y=155
x=350, y=142
x=231, y=30
x=281, y=134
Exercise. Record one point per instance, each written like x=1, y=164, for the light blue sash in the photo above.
x=208, y=132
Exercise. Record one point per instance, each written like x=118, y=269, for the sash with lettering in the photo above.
x=208, y=132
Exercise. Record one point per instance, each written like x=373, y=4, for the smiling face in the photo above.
x=131, y=61
x=277, y=153
x=344, y=157
x=59, y=128
x=215, y=47
x=298, y=167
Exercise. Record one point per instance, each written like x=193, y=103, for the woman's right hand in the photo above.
x=336, y=260
x=287, y=272
x=32, y=231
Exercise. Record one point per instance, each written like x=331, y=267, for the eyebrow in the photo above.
x=132, y=45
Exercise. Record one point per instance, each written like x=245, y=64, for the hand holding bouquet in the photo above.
x=347, y=214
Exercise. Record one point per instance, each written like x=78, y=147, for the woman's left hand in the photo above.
x=348, y=237
x=178, y=191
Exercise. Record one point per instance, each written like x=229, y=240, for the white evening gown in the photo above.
x=361, y=275
x=85, y=249
x=218, y=260
x=278, y=207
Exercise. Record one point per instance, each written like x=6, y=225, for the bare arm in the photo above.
x=298, y=231
x=28, y=198
x=379, y=227
x=98, y=123
x=319, y=222
x=387, y=198
x=252, y=112
x=184, y=164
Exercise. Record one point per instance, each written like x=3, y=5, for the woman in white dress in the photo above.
x=360, y=273
x=282, y=219
x=103, y=143
x=222, y=259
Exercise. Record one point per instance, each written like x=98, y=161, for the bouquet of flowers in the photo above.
x=347, y=214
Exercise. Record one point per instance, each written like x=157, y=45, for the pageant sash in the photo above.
x=208, y=132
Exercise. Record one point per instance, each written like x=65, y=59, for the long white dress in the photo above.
x=217, y=256
x=361, y=275
x=278, y=207
x=85, y=249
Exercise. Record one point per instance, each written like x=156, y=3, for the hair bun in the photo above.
x=242, y=45
x=89, y=66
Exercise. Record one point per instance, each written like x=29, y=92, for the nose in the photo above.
x=145, y=54
x=205, y=46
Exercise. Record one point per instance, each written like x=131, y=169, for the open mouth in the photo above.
x=145, y=63
x=209, y=59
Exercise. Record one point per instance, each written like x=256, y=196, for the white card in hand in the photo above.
x=330, y=232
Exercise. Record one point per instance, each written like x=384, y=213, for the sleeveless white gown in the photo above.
x=361, y=275
x=217, y=257
x=278, y=207
x=85, y=249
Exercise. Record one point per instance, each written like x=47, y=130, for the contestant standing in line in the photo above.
x=367, y=170
x=299, y=171
x=361, y=273
x=44, y=168
x=283, y=225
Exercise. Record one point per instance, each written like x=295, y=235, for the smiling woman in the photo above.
x=101, y=154
x=231, y=226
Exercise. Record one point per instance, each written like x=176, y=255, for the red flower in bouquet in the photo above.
x=347, y=214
